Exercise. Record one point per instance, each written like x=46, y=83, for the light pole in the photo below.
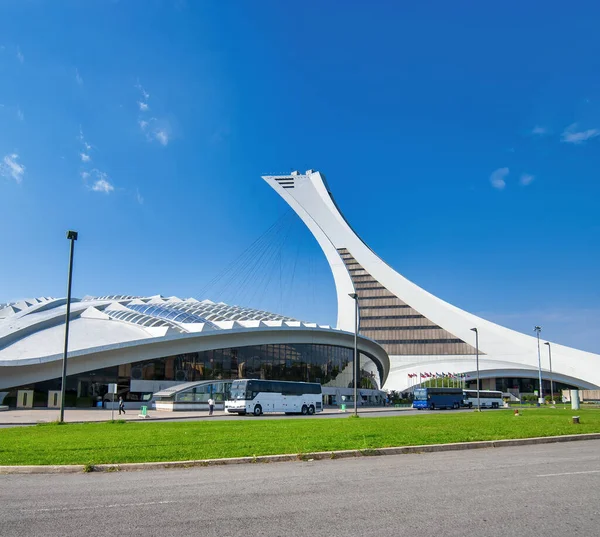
x=537, y=330
x=550, y=360
x=72, y=236
x=477, y=361
x=354, y=296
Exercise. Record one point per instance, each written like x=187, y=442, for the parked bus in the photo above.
x=249, y=396
x=487, y=398
x=432, y=398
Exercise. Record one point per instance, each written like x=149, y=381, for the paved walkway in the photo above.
x=77, y=415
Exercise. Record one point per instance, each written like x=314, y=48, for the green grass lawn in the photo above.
x=119, y=442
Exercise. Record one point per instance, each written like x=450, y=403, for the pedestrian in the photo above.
x=211, y=406
x=121, y=406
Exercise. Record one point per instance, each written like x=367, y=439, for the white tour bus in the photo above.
x=487, y=398
x=250, y=396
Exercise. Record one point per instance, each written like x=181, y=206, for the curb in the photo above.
x=306, y=457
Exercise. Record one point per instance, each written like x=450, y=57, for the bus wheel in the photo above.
x=257, y=410
x=432, y=406
x=455, y=406
x=494, y=405
x=304, y=410
x=470, y=405
x=311, y=410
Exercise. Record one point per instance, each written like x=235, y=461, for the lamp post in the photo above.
x=354, y=296
x=551, y=383
x=477, y=361
x=72, y=236
x=537, y=330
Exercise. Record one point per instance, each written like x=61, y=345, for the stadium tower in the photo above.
x=421, y=333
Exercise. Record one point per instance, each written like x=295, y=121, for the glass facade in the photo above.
x=522, y=385
x=328, y=365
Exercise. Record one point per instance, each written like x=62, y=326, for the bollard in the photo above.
x=575, y=419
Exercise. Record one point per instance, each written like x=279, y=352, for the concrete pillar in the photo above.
x=575, y=399
x=53, y=398
x=25, y=399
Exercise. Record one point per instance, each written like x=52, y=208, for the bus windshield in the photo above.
x=238, y=390
x=421, y=394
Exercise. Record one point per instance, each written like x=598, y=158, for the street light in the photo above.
x=477, y=360
x=537, y=330
x=550, y=360
x=72, y=236
x=354, y=297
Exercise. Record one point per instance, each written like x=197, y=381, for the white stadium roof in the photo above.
x=114, y=329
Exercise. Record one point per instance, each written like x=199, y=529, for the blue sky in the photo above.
x=460, y=139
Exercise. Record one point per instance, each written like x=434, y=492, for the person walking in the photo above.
x=121, y=406
x=211, y=406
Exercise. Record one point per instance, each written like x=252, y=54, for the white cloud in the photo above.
x=138, y=197
x=85, y=175
x=87, y=146
x=78, y=78
x=526, y=179
x=498, y=178
x=102, y=183
x=155, y=130
x=20, y=56
x=145, y=94
x=143, y=106
x=20, y=114
x=539, y=130
x=162, y=136
x=85, y=157
x=572, y=136
x=10, y=168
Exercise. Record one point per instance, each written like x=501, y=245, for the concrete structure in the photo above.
x=422, y=333
x=146, y=344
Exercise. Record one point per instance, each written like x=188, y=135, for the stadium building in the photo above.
x=422, y=334
x=149, y=344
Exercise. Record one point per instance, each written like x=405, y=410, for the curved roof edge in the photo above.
x=17, y=373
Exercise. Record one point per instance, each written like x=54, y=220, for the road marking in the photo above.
x=570, y=473
x=85, y=508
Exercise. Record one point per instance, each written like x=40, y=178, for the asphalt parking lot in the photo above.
x=540, y=490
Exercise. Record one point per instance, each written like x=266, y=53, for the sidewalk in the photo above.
x=83, y=415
